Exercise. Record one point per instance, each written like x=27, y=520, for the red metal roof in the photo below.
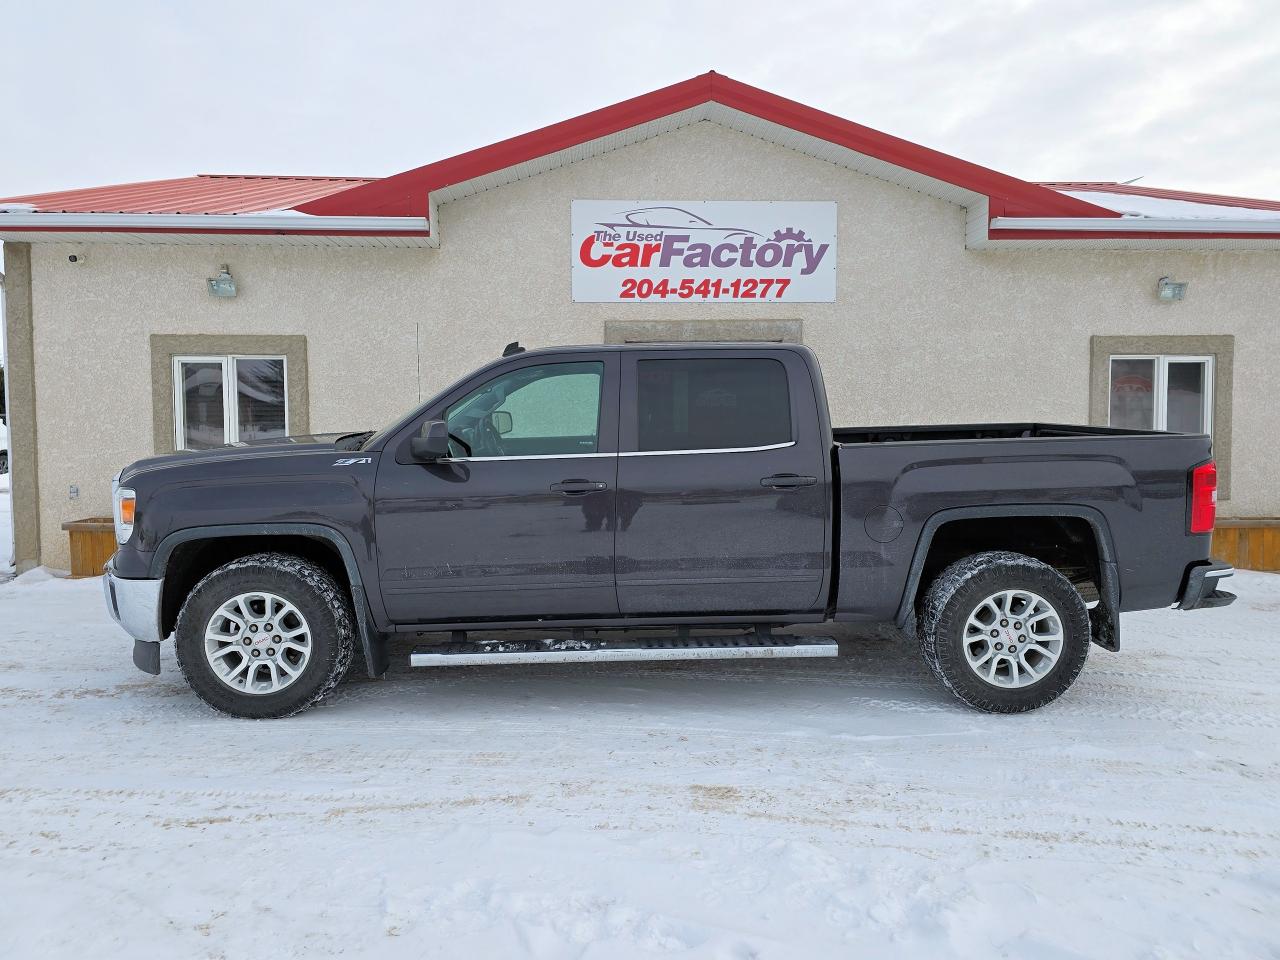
x=406, y=194
x=204, y=193
x=1135, y=190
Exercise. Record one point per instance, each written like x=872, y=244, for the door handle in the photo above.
x=575, y=488
x=787, y=481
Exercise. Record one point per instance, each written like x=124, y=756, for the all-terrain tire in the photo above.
x=955, y=594
x=325, y=606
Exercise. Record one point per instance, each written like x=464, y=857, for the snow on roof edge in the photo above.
x=1135, y=205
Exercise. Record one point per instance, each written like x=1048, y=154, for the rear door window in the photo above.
x=712, y=404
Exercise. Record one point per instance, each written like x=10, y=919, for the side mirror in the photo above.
x=502, y=421
x=431, y=443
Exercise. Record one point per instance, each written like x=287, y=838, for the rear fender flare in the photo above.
x=1104, y=618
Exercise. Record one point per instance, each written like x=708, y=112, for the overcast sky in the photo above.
x=1183, y=94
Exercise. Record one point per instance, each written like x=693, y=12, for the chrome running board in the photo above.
x=471, y=654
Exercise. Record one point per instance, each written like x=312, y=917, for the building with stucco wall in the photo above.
x=956, y=294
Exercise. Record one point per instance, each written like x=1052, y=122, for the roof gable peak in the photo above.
x=709, y=96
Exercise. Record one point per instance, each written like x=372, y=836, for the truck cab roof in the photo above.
x=699, y=345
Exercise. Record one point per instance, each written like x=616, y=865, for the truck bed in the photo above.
x=977, y=431
x=1130, y=486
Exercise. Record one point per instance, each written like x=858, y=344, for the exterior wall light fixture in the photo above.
x=1166, y=289
x=224, y=284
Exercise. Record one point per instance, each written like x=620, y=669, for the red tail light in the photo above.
x=1204, y=498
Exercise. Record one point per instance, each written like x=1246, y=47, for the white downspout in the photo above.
x=6, y=550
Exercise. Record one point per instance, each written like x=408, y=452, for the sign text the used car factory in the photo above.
x=703, y=250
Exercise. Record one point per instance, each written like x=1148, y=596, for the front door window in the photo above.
x=546, y=410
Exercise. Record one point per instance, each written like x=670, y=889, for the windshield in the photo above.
x=380, y=435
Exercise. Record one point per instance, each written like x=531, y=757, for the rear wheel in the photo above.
x=265, y=636
x=1004, y=632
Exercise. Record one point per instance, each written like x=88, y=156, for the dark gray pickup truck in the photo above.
x=599, y=495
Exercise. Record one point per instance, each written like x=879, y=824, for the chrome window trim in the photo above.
x=673, y=453
x=531, y=456
x=625, y=453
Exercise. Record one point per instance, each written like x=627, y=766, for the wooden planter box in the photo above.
x=1251, y=543
x=93, y=541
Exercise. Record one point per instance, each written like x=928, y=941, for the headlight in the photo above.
x=123, y=506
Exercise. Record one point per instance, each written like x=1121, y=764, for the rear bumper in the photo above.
x=1203, y=586
x=135, y=605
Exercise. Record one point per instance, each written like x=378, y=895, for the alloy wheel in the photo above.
x=1013, y=638
x=257, y=643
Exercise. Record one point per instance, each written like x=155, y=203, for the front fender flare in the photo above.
x=372, y=641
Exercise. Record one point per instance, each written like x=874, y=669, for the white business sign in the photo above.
x=668, y=251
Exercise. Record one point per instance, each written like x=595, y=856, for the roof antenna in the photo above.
x=1125, y=183
x=512, y=348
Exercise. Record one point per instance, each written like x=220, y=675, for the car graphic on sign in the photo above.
x=672, y=218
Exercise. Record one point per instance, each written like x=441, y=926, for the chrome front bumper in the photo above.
x=135, y=605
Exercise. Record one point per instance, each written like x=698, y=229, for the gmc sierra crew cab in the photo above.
x=597, y=495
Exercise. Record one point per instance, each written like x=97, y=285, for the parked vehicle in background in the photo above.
x=684, y=487
x=4, y=446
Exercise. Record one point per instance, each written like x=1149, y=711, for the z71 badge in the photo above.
x=352, y=461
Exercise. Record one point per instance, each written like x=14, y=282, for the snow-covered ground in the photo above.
x=812, y=809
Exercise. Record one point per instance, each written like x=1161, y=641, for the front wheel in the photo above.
x=1004, y=632
x=265, y=636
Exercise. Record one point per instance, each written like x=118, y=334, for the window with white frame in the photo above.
x=1161, y=392
x=228, y=399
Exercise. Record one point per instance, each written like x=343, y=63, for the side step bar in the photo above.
x=471, y=654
